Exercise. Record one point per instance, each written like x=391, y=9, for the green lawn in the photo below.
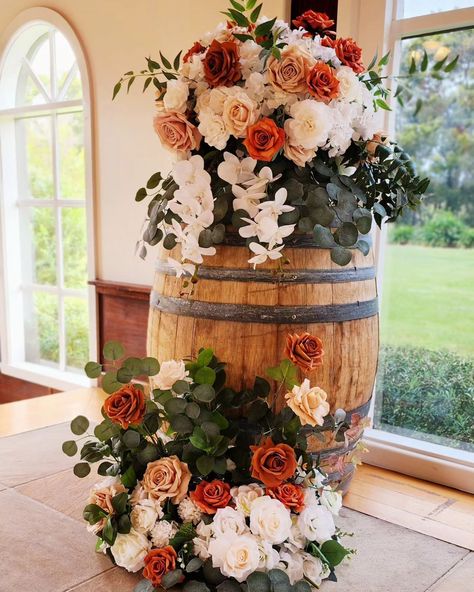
x=428, y=298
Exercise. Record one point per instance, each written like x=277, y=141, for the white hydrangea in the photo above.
x=212, y=127
x=163, y=532
x=188, y=511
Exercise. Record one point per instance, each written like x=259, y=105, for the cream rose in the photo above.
x=129, y=550
x=270, y=520
x=237, y=556
x=228, y=520
x=239, y=112
x=170, y=372
x=309, y=125
x=167, y=478
x=313, y=569
x=245, y=495
x=289, y=72
x=144, y=515
x=309, y=403
x=316, y=523
x=269, y=556
x=101, y=495
x=299, y=155
x=176, y=96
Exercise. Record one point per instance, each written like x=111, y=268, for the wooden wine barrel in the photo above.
x=246, y=314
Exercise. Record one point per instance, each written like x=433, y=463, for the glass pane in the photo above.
x=65, y=60
x=35, y=158
x=41, y=328
x=74, y=89
x=77, y=332
x=38, y=231
x=31, y=93
x=71, y=155
x=40, y=61
x=412, y=8
x=74, y=247
x=425, y=386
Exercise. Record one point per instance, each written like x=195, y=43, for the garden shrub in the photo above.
x=427, y=391
x=401, y=234
x=443, y=230
x=467, y=238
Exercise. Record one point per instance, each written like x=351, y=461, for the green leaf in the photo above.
x=144, y=586
x=261, y=387
x=131, y=439
x=82, y=469
x=181, y=424
x=334, y=552
x=205, y=357
x=169, y=242
x=93, y=369
x=199, y=439
x=242, y=37
x=124, y=525
x=237, y=6
x=177, y=60
x=79, y=425
x=129, y=478
x=347, y=234
x=264, y=28
x=258, y=582
x=195, y=585
x=412, y=68
x=92, y=513
x=105, y=430
x=238, y=17
x=166, y=63
x=150, y=366
x=383, y=60
x=124, y=375
x=69, y=447
x=117, y=88
x=229, y=586
x=113, y=350
x=372, y=62
x=110, y=384
x=204, y=393
x=103, y=468
x=219, y=420
x=363, y=246
x=147, y=83
x=323, y=237
x=154, y=180
x=205, y=375
x=280, y=580
x=186, y=533
x=141, y=194
x=341, y=255
x=133, y=365
x=424, y=62
x=175, y=405
x=258, y=410
x=418, y=106
x=119, y=502
x=450, y=67
x=109, y=532
x=193, y=410
x=181, y=386
x=218, y=234
x=205, y=464
x=382, y=104
x=302, y=586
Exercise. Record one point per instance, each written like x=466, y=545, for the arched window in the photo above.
x=46, y=230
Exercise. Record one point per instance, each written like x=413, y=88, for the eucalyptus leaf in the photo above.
x=205, y=375
x=181, y=424
x=110, y=383
x=204, y=393
x=69, y=447
x=323, y=237
x=341, y=255
x=205, y=464
x=150, y=366
x=82, y=469
x=79, y=425
x=131, y=439
x=347, y=234
x=113, y=350
x=93, y=369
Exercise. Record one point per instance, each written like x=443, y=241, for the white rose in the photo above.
x=270, y=520
x=309, y=125
x=245, y=495
x=193, y=69
x=176, y=96
x=332, y=500
x=310, y=497
x=269, y=557
x=237, y=556
x=163, y=532
x=313, y=569
x=212, y=127
x=350, y=87
x=228, y=520
x=296, y=540
x=144, y=515
x=170, y=372
x=316, y=523
x=292, y=565
x=129, y=550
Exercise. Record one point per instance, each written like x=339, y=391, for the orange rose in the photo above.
x=322, y=82
x=273, y=463
x=176, y=132
x=126, y=407
x=264, y=139
x=290, y=495
x=347, y=51
x=306, y=351
x=159, y=562
x=221, y=64
x=195, y=49
x=313, y=22
x=209, y=497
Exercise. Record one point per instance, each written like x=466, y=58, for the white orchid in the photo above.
x=181, y=268
x=277, y=206
x=270, y=232
x=262, y=254
x=187, y=172
x=235, y=171
x=191, y=249
x=247, y=199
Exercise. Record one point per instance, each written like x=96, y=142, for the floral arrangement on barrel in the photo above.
x=275, y=133
x=207, y=488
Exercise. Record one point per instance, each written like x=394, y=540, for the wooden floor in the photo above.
x=430, y=509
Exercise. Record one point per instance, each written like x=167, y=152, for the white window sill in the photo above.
x=424, y=460
x=44, y=376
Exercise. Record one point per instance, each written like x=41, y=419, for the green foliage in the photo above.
x=443, y=230
x=467, y=238
x=401, y=234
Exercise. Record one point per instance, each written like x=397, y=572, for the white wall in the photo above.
x=116, y=35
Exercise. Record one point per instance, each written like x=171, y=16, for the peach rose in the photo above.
x=101, y=495
x=288, y=74
x=297, y=154
x=347, y=51
x=221, y=64
x=308, y=403
x=378, y=139
x=159, y=562
x=273, y=463
x=209, y=497
x=291, y=496
x=239, y=113
x=264, y=139
x=126, y=407
x=322, y=82
x=165, y=478
x=306, y=351
x=313, y=22
x=176, y=132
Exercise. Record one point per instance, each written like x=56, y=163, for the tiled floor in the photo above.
x=45, y=547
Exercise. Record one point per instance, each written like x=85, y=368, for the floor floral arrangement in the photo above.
x=208, y=488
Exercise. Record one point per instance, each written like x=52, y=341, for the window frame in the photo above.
x=378, y=25
x=12, y=360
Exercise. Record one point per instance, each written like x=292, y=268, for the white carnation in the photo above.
x=270, y=520
x=163, y=532
x=201, y=542
x=316, y=523
x=310, y=124
x=213, y=128
x=313, y=569
x=255, y=86
x=188, y=511
x=350, y=87
x=249, y=54
x=130, y=550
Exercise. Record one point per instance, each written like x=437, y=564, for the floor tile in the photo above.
x=459, y=579
x=391, y=558
x=114, y=580
x=62, y=491
x=43, y=550
x=33, y=455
